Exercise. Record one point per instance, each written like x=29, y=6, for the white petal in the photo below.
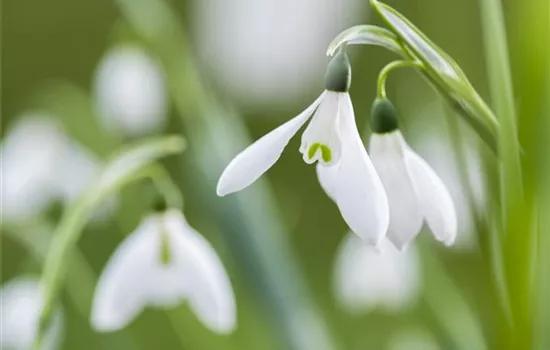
x=367, y=277
x=255, y=160
x=355, y=185
x=135, y=277
x=435, y=201
x=210, y=294
x=387, y=154
x=20, y=304
x=322, y=135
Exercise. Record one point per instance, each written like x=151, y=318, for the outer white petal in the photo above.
x=255, y=160
x=135, y=277
x=355, y=185
x=434, y=198
x=387, y=154
x=367, y=277
x=20, y=303
x=210, y=294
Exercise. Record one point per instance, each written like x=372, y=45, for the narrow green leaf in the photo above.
x=366, y=35
x=128, y=166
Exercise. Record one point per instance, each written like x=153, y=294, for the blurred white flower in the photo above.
x=271, y=50
x=412, y=340
x=332, y=140
x=415, y=192
x=163, y=262
x=39, y=165
x=382, y=277
x=130, y=92
x=21, y=300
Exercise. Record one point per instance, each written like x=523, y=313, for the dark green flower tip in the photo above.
x=159, y=204
x=383, y=116
x=338, y=76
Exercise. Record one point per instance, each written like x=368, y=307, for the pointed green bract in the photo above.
x=366, y=35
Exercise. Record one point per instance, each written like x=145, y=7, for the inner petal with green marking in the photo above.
x=326, y=153
x=165, y=254
x=321, y=140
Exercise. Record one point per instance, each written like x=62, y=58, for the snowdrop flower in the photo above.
x=231, y=40
x=415, y=192
x=332, y=140
x=161, y=263
x=41, y=164
x=368, y=277
x=20, y=304
x=130, y=92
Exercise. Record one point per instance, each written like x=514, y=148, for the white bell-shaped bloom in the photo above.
x=163, y=262
x=257, y=59
x=415, y=192
x=332, y=140
x=21, y=301
x=39, y=165
x=381, y=277
x=130, y=92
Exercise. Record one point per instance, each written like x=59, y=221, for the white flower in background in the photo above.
x=412, y=340
x=415, y=192
x=130, y=92
x=39, y=165
x=269, y=51
x=21, y=300
x=331, y=139
x=381, y=277
x=163, y=262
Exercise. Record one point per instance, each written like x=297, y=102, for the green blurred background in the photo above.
x=216, y=86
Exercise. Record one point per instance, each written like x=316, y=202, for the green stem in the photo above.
x=385, y=72
x=516, y=233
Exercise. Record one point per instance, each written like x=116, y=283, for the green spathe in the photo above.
x=383, y=116
x=338, y=75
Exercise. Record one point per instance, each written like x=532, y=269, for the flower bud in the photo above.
x=338, y=75
x=383, y=116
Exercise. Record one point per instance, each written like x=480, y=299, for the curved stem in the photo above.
x=385, y=72
x=165, y=186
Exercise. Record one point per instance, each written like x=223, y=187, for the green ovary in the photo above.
x=326, y=152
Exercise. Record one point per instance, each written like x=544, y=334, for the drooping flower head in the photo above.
x=163, y=262
x=332, y=140
x=415, y=192
x=21, y=300
x=381, y=277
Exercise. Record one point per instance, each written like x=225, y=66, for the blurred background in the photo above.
x=82, y=78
